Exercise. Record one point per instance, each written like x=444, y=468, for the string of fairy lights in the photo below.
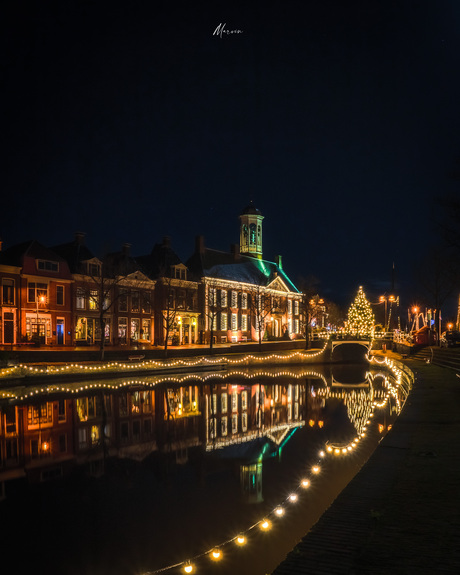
x=151, y=364
x=277, y=513
x=280, y=511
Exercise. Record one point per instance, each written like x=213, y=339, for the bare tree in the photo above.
x=261, y=305
x=211, y=308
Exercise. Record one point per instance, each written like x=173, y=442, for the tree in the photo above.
x=261, y=306
x=361, y=317
x=211, y=308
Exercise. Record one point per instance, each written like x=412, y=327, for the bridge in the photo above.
x=365, y=343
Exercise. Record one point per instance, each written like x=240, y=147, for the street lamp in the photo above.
x=385, y=299
x=40, y=299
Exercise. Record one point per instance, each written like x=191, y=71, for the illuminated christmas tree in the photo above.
x=360, y=317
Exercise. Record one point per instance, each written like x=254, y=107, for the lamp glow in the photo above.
x=241, y=539
x=305, y=483
x=265, y=525
x=188, y=568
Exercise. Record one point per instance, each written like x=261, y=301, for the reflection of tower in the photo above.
x=251, y=231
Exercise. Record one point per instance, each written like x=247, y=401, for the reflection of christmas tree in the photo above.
x=360, y=316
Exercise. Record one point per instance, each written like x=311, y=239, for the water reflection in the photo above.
x=240, y=432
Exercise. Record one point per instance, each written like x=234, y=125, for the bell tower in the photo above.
x=251, y=231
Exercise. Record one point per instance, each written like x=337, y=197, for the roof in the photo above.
x=250, y=209
x=74, y=253
x=238, y=268
x=158, y=263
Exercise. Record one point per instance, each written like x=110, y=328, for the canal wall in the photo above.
x=400, y=512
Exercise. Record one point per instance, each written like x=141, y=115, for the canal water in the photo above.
x=135, y=477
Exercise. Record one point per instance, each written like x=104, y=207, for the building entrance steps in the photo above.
x=401, y=513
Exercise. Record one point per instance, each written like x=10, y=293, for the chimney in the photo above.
x=279, y=262
x=235, y=251
x=126, y=249
x=199, y=244
x=80, y=238
x=167, y=241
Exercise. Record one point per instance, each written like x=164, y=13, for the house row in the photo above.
x=66, y=296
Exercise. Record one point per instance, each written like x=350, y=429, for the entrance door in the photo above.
x=8, y=327
x=60, y=331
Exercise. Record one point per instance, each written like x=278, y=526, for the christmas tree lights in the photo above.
x=360, y=317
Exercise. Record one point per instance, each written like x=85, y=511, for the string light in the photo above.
x=279, y=511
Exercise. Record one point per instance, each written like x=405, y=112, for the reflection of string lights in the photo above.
x=23, y=369
x=278, y=512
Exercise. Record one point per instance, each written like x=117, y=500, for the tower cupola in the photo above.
x=251, y=231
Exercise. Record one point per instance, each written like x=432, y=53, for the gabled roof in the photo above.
x=159, y=262
x=74, y=253
x=239, y=268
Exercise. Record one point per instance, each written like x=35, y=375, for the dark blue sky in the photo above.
x=131, y=121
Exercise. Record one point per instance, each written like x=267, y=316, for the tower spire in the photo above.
x=251, y=231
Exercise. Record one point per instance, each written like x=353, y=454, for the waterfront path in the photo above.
x=401, y=513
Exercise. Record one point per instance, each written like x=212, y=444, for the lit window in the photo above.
x=223, y=321
x=234, y=321
x=244, y=322
x=223, y=298
x=244, y=301
x=234, y=299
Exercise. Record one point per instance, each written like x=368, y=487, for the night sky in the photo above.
x=131, y=121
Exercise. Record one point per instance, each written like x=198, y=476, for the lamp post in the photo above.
x=40, y=299
x=385, y=299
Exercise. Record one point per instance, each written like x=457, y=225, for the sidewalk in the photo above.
x=401, y=513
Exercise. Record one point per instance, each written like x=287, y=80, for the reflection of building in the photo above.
x=235, y=417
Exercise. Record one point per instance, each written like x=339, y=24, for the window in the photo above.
x=224, y=426
x=244, y=400
x=244, y=301
x=94, y=270
x=145, y=296
x=212, y=297
x=82, y=438
x=296, y=326
x=37, y=292
x=223, y=321
x=244, y=422
x=60, y=295
x=7, y=291
x=296, y=307
x=234, y=321
x=48, y=266
x=224, y=402
x=122, y=329
x=135, y=301
x=234, y=299
x=145, y=331
x=80, y=301
x=135, y=329
x=123, y=300
x=244, y=322
x=234, y=423
x=93, y=299
x=234, y=401
x=289, y=306
x=223, y=298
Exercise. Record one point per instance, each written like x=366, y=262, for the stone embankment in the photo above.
x=400, y=514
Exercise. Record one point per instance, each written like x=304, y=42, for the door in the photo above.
x=60, y=331
x=8, y=327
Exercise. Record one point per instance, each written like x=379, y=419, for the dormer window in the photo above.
x=48, y=266
x=179, y=272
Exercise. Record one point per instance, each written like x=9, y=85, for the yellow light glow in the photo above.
x=321, y=453
x=241, y=539
x=316, y=469
x=311, y=423
x=188, y=568
x=305, y=483
x=279, y=511
x=265, y=525
x=293, y=497
x=329, y=449
x=216, y=554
